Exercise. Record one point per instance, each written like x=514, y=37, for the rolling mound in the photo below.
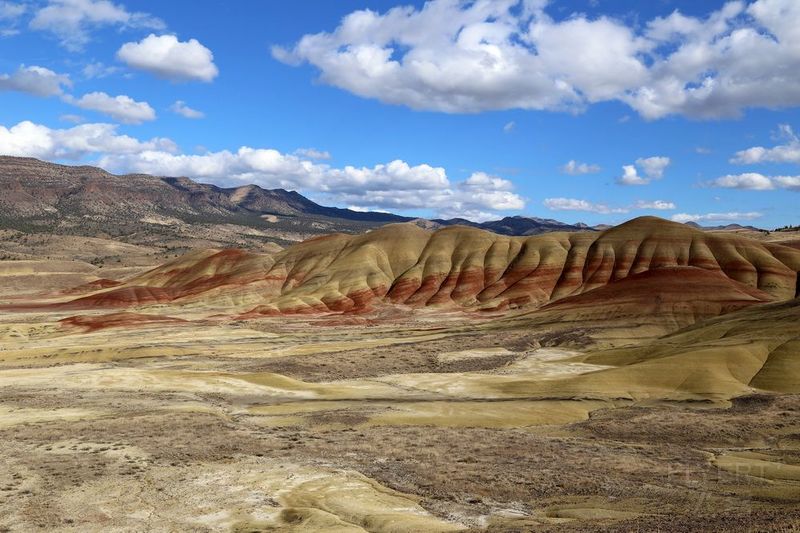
x=643, y=264
x=752, y=349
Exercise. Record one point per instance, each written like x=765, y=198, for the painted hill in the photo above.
x=644, y=264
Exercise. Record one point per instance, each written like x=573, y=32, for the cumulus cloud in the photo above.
x=754, y=181
x=726, y=217
x=394, y=176
x=788, y=182
x=393, y=185
x=180, y=108
x=478, y=197
x=38, y=81
x=574, y=204
x=630, y=176
x=35, y=140
x=476, y=56
x=575, y=168
x=167, y=57
x=43, y=82
x=659, y=205
x=652, y=167
x=749, y=180
x=789, y=152
x=122, y=107
x=72, y=20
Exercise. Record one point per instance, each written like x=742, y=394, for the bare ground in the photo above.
x=109, y=458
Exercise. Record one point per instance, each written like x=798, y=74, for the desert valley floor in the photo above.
x=312, y=389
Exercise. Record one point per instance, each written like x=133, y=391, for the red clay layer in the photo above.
x=115, y=320
x=93, y=286
x=658, y=254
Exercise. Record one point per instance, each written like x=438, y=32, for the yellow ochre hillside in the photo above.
x=638, y=264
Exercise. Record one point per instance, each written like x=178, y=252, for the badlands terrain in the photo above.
x=400, y=378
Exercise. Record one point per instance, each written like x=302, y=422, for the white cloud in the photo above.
x=71, y=20
x=167, y=57
x=482, y=180
x=394, y=185
x=749, y=180
x=659, y=205
x=11, y=10
x=630, y=176
x=652, y=167
x=35, y=80
x=10, y=13
x=573, y=204
x=180, y=108
x=476, y=198
x=34, y=140
x=788, y=182
x=784, y=153
x=69, y=117
x=394, y=176
x=474, y=56
x=754, y=181
x=727, y=217
x=312, y=153
x=575, y=168
x=509, y=127
x=98, y=70
x=122, y=107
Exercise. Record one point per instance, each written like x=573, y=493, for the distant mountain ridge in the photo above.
x=518, y=225
x=36, y=187
x=726, y=227
x=49, y=197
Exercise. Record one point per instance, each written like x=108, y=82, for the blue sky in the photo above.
x=445, y=109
